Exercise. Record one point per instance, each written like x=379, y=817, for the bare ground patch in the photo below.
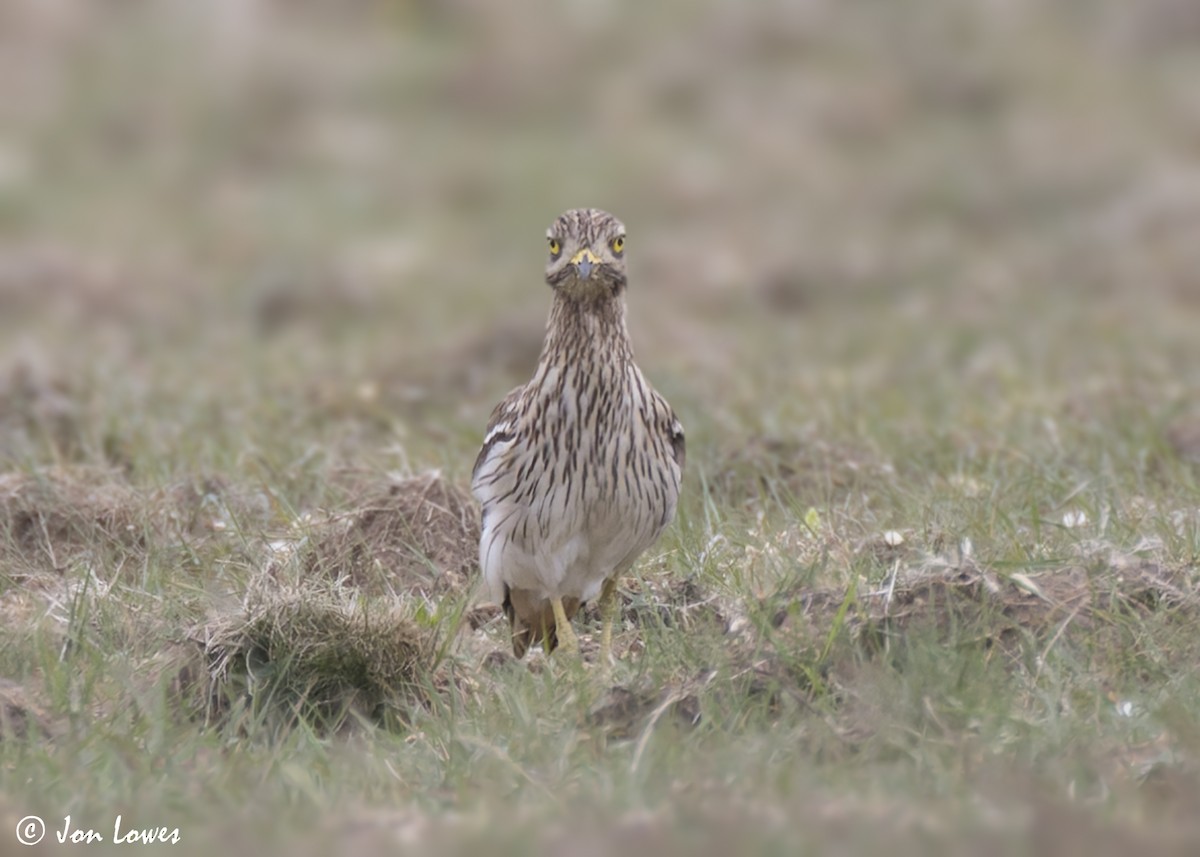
x=682, y=603
x=1004, y=606
x=90, y=289
x=410, y=535
x=206, y=505
x=796, y=638
x=630, y=712
x=509, y=347
x=801, y=466
x=482, y=364
x=20, y=716
x=1183, y=436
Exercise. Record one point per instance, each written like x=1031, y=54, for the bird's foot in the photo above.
x=608, y=612
x=568, y=643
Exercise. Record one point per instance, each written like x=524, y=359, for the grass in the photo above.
x=921, y=288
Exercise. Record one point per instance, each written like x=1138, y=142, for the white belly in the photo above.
x=573, y=558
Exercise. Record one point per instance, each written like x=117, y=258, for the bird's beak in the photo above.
x=584, y=261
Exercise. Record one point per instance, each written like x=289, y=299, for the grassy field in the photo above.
x=922, y=282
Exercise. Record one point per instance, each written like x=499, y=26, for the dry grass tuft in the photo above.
x=55, y=516
x=419, y=534
x=316, y=654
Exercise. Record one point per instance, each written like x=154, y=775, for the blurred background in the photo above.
x=252, y=225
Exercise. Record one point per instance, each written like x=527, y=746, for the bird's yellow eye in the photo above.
x=618, y=244
x=555, y=247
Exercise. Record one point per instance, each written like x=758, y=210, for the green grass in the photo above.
x=921, y=288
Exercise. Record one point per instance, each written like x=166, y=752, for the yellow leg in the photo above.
x=608, y=613
x=567, y=641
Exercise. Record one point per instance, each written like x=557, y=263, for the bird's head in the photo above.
x=586, y=254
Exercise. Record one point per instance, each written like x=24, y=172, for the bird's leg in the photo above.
x=608, y=613
x=567, y=641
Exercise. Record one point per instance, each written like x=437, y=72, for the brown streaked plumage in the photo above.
x=580, y=467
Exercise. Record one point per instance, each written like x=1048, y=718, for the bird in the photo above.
x=581, y=467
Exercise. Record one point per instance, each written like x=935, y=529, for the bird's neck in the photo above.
x=584, y=330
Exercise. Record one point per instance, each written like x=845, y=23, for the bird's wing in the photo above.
x=671, y=429
x=666, y=422
x=499, y=435
x=678, y=441
x=493, y=478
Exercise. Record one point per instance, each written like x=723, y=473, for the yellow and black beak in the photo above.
x=584, y=261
